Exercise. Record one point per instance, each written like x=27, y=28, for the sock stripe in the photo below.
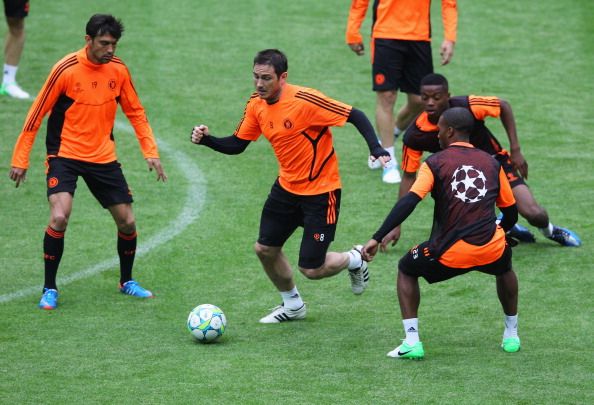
x=54, y=234
x=125, y=236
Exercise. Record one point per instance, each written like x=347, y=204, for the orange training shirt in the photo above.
x=297, y=127
x=83, y=99
x=401, y=19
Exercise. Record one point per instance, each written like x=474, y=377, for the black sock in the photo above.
x=127, y=252
x=53, y=247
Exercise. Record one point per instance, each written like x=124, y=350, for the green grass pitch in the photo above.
x=191, y=62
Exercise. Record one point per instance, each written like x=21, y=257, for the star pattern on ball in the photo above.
x=469, y=184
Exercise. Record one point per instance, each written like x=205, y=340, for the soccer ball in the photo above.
x=206, y=323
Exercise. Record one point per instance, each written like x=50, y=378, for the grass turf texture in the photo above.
x=191, y=63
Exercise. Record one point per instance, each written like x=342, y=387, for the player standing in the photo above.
x=466, y=184
x=82, y=92
x=401, y=57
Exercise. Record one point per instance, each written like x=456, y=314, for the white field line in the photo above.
x=194, y=202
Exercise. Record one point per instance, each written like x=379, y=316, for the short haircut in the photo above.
x=274, y=58
x=435, y=79
x=101, y=24
x=459, y=118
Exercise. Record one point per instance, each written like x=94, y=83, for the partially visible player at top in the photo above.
x=82, y=92
x=15, y=12
x=421, y=137
x=400, y=57
x=464, y=236
x=296, y=121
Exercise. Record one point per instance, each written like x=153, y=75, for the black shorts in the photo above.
x=16, y=8
x=400, y=65
x=416, y=264
x=283, y=212
x=512, y=174
x=106, y=181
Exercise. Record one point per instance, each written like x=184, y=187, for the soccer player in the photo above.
x=401, y=57
x=15, y=12
x=82, y=92
x=422, y=136
x=466, y=184
x=296, y=122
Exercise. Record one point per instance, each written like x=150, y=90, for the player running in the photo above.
x=82, y=92
x=296, y=121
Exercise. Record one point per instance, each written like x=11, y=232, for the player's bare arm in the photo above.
x=509, y=123
x=17, y=175
x=155, y=163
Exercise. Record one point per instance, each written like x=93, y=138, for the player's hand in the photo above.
x=369, y=250
x=358, y=48
x=390, y=239
x=519, y=163
x=198, y=132
x=155, y=163
x=379, y=153
x=18, y=175
x=446, y=51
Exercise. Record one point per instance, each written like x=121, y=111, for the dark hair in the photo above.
x=101, y=24
x=459, y=118
x=274, y=58
x=435, y=79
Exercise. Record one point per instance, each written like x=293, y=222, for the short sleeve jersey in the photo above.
x=421, y=136
x=466, y=184
x=297, y=127
x=83, y=99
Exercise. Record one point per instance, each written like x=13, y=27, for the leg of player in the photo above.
x=53, y=246
x=336, y=262
x=537, y=216
x=409, y=297
x=126, y=246
x=507, y=292
x=407, y=113
x=279, y=271
x=15, y=42
x=384, y=117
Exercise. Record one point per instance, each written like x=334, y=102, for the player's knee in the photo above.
x=263, y=251
x=312, y=274
x=127, y=226
x=58, y=221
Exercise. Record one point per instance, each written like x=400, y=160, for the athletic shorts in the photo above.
x=105, y=180
x=400, y=65
x=283, y=212
x=418, y=263
x=512, y=174
x=16, y=8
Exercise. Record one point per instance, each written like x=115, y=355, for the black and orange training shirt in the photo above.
x=401, y=19
x=83, y=98
x=297, y=127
